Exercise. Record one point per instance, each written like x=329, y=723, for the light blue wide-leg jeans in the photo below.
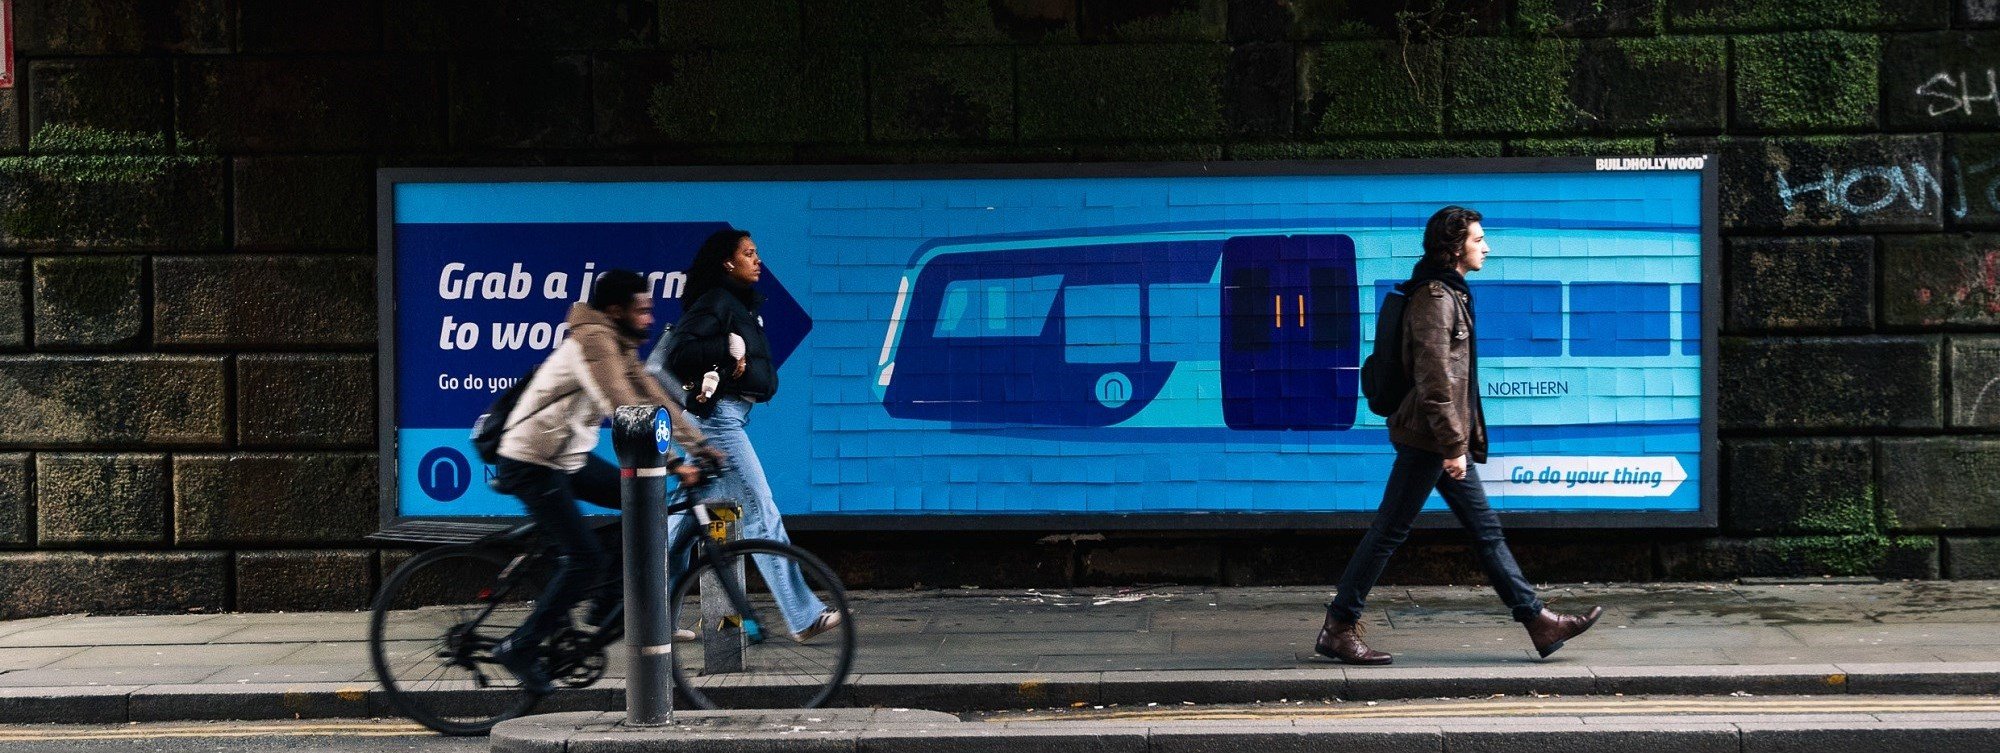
x=745, y=483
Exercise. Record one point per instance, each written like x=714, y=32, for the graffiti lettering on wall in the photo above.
x=1963, y=92
x=1868, y=189
x=1863, y=190
x=1978, y=182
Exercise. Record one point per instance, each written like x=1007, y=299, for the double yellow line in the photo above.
x=1593, y=707
x=142, y=732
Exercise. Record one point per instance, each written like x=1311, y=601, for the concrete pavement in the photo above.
x=971, y=649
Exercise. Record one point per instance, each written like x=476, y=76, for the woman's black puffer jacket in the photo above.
x=704, y=342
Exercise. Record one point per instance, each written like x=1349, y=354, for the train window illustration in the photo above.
x=1519, y=318
x=1101, y=324
x=1619, y=319
x=1005, y=307
x=1257, y=313
x=1180, y=322
x=1691, y=319
x=1332, y=299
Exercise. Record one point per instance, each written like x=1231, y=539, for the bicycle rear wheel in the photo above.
x=431, y=634
x=726, y=667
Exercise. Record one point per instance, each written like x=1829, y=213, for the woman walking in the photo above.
x=1439, y=432
x=720, y=331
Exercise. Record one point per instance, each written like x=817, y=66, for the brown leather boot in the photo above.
x=1342, y=641
x=1550, y=630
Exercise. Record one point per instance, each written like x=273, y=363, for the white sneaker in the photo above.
x=827, y=620
x=683, y=635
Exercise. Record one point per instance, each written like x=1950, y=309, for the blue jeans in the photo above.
x=745, y=483
x=1411, y=480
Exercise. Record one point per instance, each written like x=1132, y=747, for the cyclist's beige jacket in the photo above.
x=594, y=371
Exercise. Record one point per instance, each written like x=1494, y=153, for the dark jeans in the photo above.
x=1411, y=480
x=583, y=566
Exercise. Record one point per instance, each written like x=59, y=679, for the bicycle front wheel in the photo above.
x=735, y=664
x=431, y=635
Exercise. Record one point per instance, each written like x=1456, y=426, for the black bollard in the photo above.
x=643, y=435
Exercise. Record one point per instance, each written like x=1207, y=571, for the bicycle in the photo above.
x=452, y=603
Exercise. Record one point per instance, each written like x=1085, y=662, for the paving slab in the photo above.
x=128, y=633
x=29, y=658
x=105, y=676
x=262, y=674
x=209, y=654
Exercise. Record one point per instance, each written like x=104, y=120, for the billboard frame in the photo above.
x=1706, y=517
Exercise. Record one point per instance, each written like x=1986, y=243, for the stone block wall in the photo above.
x=187, y=302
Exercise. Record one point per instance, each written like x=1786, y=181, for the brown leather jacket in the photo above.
x=1441, y=413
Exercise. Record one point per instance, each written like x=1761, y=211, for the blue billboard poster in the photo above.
x=1152, y=345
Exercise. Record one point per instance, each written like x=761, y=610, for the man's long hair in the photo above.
x=1445, y=234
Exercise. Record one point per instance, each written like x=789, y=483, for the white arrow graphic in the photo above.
x=1577, y=476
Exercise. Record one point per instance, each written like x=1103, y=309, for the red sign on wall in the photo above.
x=6, y=44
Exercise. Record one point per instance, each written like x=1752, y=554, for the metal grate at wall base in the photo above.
x=440, y=532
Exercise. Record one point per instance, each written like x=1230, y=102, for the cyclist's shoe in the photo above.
x=827, y=620
x=600, y=610
x=526, y=666
x=683, y=635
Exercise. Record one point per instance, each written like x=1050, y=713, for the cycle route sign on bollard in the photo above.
x=1144, y=346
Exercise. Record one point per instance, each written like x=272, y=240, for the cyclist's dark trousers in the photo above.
x=1411, y=480
x=582, y=565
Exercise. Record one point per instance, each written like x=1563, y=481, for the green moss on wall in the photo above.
x=58, y=137
x=1747, y=15
x=948, y=93
x=1546, y=17
x=761, y=96
x=1368, y=149
x=1188, y=21
x=1584, y=147
x=1808, y=80
x=1108, y=92
x=1503, y=85
x=1845, y=555
x=1362, y=88
x=1856, y=542
x=875, y=22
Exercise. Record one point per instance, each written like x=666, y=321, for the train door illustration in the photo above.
x=1290, y=332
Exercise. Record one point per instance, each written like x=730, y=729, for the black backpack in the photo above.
x=490, y=426
x=1383, y=380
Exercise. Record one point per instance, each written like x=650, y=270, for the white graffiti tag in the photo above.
x=1862, y=190
x=1960, y=93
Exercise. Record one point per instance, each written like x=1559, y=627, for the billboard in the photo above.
x=1131, y=345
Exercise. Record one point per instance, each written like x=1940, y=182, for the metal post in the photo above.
x=642, y=435
x=722, y=638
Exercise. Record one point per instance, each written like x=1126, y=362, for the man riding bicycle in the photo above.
x=546, y=459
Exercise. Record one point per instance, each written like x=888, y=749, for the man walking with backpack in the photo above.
x=1439, y=432
x=545, y=455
